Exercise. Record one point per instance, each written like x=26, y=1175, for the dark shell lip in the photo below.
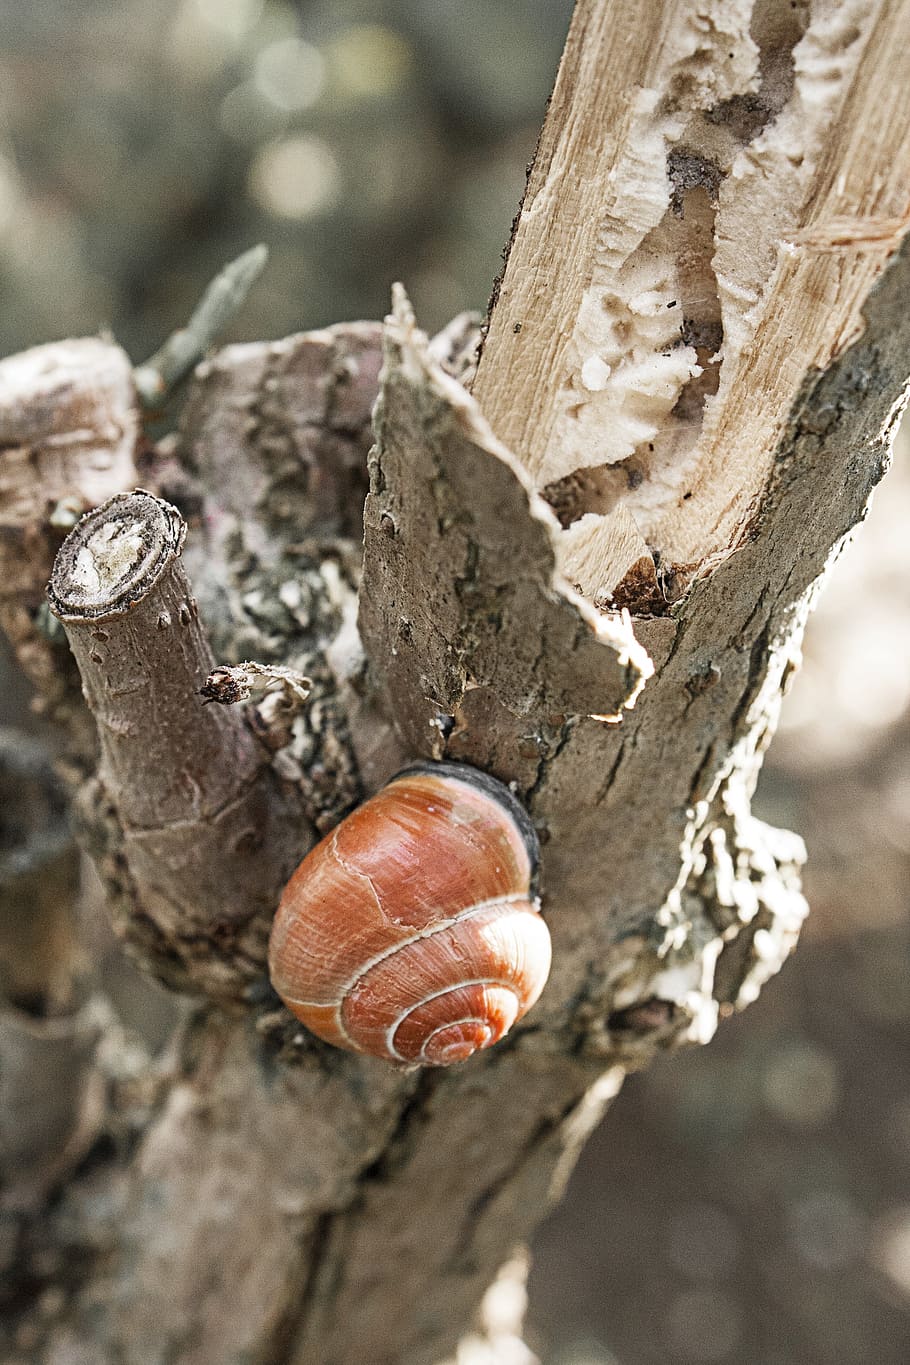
x=492, y=787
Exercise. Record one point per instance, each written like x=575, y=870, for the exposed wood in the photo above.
x=597, y=552
x=700, y=230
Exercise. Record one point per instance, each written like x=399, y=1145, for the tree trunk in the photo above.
x=587, y=566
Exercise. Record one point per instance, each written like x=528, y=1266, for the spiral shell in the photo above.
x=412, y=932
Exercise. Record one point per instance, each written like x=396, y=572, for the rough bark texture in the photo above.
x=206, y=834
x=473, y=609
x=258, y=1196
x=68, y=433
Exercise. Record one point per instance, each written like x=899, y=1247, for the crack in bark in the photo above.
x=566, y=729
x=280, y=1350
x=330, y=1231
x=603, y=791
x=461, y=1263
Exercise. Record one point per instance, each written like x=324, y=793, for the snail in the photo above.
x=412, y=931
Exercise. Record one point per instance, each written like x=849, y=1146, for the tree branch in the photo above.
x=699, y=234
x=184, y=348
x=68, y=433
x=51, y=1100
x=666, y=904
x=207, y=831
x=39, y=875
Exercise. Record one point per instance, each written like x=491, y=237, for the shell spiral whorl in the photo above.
x=412, y=931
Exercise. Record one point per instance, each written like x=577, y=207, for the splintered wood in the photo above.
x=717, y=190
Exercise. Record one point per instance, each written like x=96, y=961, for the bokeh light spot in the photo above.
x=368, y=60
x=295, y=177
x=827, y=1229
x=702, y=1241
x=891, y=1248
x=800, y=1084
x=290, y=74
x=231, y=17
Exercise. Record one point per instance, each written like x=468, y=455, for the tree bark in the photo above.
x=262, y=1197
x=69, y=428
x=50, y=1085
x=206, y=833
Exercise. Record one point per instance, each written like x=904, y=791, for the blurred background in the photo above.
x=745, y=1203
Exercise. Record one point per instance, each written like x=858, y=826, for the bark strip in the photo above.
x=457, y=540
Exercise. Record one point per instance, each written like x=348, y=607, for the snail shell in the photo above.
x=412, y=932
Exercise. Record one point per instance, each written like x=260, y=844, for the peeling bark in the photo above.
x=473, y=608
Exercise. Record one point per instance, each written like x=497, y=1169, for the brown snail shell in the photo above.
x=412, y=931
